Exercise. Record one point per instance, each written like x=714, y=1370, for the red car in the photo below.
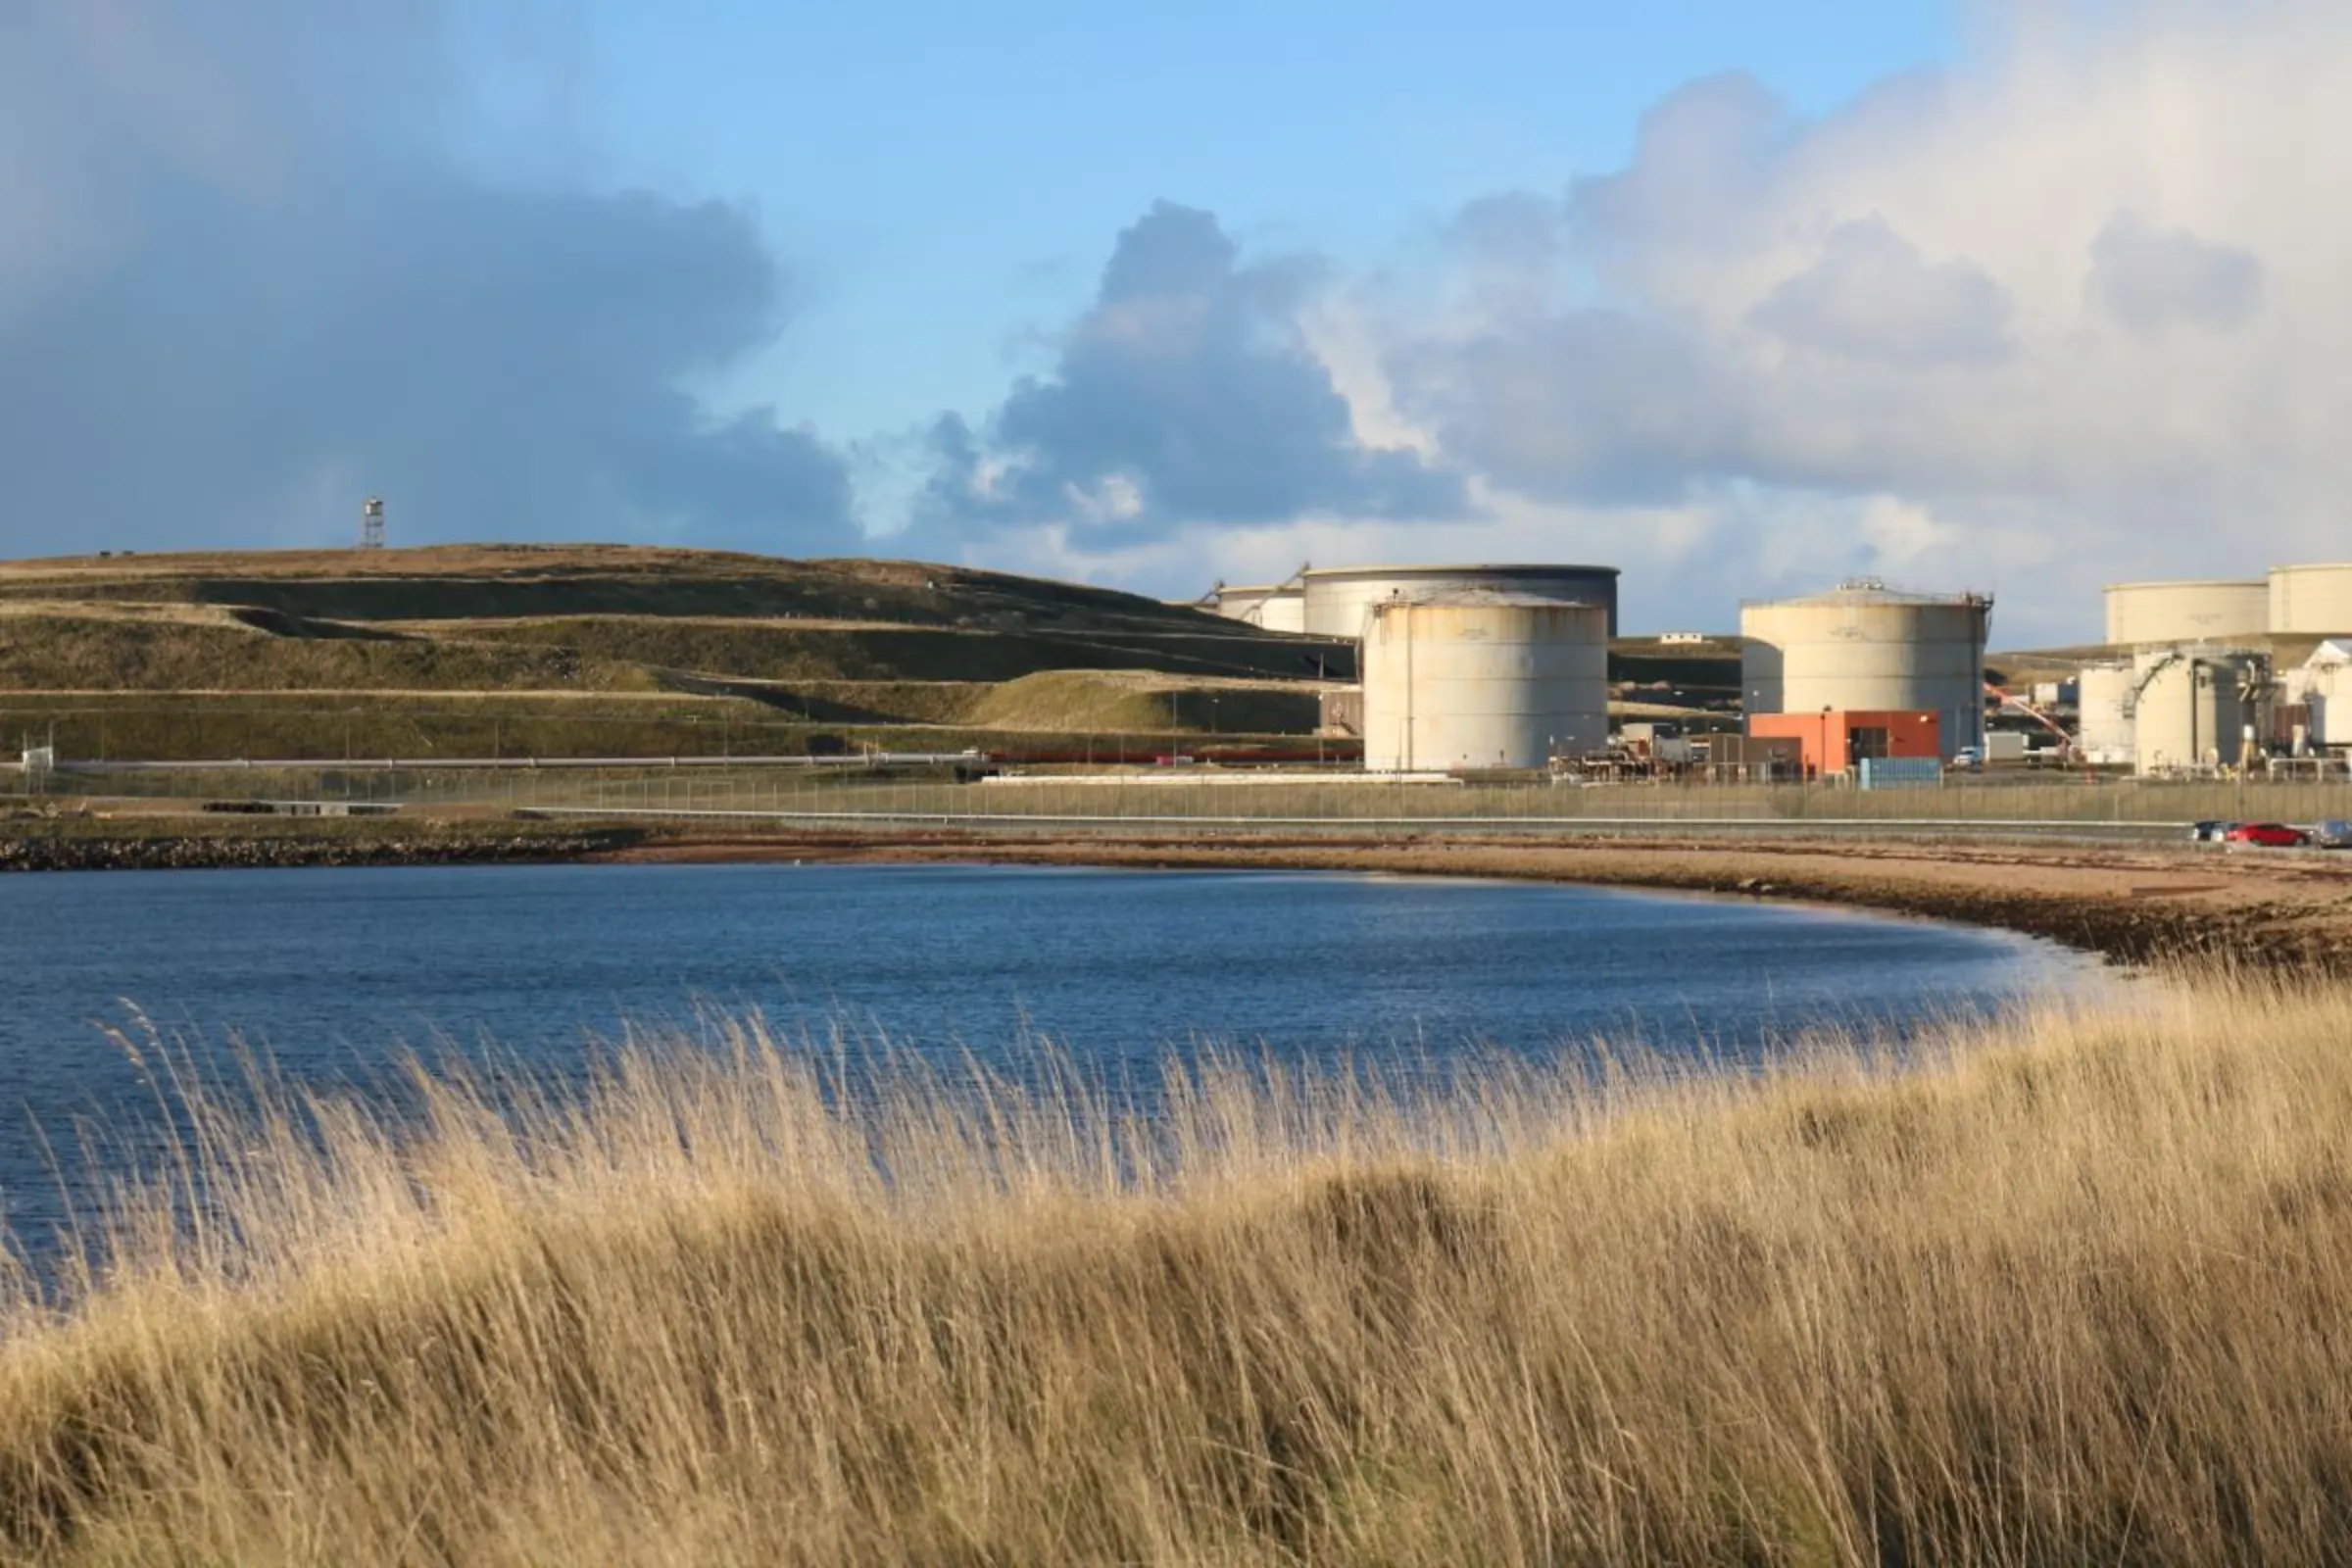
x=2271, y=835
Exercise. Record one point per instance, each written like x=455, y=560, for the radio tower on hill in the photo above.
x=372, y=525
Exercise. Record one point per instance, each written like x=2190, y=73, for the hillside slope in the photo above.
x=768, y=647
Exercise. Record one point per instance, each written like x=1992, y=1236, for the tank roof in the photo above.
x=1482, y=598
x=1521, y=569
x=1873, y=594
x=2315, y=565
x=2192, y=582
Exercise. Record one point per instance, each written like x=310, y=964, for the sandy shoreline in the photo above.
x=2135, y=905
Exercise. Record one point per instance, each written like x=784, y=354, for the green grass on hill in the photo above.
x=86, y=652
x=774, y=649
x=508, y=581
x=785, y=651
x=328, y=726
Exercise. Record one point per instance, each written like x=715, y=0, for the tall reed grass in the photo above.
x=2073, y=1287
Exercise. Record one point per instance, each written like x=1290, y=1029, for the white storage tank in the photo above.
x=1282, y=608
x=1475, y=680
x=1238, y=604
x=2191, y=705
x=2148, y=615
x=2311, y=601
x=2104, y=699
x=2323, y=685
x=1340, y=599
x=1864, y=647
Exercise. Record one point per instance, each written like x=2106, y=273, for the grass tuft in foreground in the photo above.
x=2074, y=1291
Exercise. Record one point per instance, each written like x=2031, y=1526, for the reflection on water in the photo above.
x=333, y=971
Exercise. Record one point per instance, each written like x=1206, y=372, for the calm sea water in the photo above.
x=334, y=973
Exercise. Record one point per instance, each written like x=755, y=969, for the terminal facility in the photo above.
x=1490, y=668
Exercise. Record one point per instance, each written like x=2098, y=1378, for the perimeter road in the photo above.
x=1126, y=825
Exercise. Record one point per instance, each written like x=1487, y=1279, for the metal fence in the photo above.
x=849, y=789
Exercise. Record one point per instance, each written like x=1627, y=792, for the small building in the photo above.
x=1834, y=740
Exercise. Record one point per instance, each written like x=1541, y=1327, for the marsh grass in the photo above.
x=2068, y=1288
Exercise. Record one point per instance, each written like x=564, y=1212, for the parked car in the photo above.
x=2268, y=835
x=2210, y=832
x=1968, y=757
x=2334, y=834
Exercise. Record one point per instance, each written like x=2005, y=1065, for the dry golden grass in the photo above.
x=2074, y=1290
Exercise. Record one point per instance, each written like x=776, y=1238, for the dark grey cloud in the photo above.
x=1186, y=394
x=246, y=284
x=1872, y=296
x=2149, y=279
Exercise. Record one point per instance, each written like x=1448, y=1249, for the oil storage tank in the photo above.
x=1340, y=599
x=2311, y=601
x=2104, y=699
x=2149, y=614
x=1282, y=608
x=1476, y=679
x=1865, y=647
x=2191, y=707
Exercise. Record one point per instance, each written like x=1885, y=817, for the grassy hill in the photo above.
x=435, y=651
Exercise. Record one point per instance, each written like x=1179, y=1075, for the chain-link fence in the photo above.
x=945, y=790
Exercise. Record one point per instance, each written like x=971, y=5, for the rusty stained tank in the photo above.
x=1466, y=680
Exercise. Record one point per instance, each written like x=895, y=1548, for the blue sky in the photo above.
x=947, y=176
x=2023, y=296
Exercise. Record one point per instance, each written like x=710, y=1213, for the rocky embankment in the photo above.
x=44, y=848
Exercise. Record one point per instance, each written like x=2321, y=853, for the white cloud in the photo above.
x=2069, y=311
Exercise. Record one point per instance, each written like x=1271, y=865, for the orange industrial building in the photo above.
x=1834, y=742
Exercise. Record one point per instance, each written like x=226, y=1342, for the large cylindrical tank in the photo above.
x=2104, y=699
x=2146, y=614
x=1863, y=649
x=2191, y=705
x=1282, y=608
x=1340, y=599
x=1473, y=680
x=2311, y=601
